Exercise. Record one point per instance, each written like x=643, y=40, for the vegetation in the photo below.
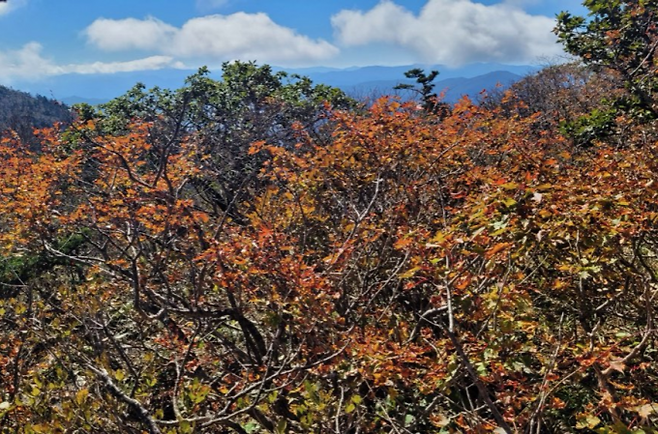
x=620, y=36
x=22, y=112
x=261, y=254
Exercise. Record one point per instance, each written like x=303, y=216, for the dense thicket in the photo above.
x=261, y=255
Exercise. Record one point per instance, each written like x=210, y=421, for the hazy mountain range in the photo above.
x=358, y=81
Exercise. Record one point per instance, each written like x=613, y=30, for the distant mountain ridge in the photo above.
x=356, y=76
x=451, y=89
x=358, y=81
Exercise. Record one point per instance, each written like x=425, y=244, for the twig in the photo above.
x=135, y=405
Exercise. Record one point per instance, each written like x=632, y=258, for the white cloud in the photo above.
x=11, y=5
x=452, y=32
x=129, y=33
x=147, y=63
x=386, y=22
x=213, y=38
x=247, y=36
x=29, y=64
x=25, y=63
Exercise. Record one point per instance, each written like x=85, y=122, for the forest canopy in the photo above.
x=263, y=254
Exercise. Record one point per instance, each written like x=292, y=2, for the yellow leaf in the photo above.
x=81, y=396
x=510, y=186
x=409, y=273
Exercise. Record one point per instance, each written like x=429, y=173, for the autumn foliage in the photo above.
x=297, y=266
x=403, y=276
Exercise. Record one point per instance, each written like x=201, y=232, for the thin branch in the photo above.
x=135, y=405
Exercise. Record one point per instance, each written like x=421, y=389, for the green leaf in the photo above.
x=281, y=427
x=185, y=427
x=587, y=421
x=251, y=427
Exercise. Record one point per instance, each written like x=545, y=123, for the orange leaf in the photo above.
x=495, y=249
x=402, y=243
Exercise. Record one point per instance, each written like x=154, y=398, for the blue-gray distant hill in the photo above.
x=367, y=74
x=366, y=82
x=452, y=89
x=375, y=81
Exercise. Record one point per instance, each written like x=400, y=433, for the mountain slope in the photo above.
x=22, y=112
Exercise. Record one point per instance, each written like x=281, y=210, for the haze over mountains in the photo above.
x=358, y=81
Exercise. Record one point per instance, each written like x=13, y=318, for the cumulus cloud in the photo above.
x=213, y=37
x=129, y=33
x=249, y=36
x=452, y=32
x=28, y=63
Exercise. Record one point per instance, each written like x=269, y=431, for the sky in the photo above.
x=42, y=38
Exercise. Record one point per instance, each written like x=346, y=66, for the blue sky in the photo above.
x=41, y=38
